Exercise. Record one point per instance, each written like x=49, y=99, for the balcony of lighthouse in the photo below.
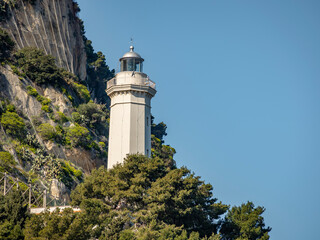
x=128, y=78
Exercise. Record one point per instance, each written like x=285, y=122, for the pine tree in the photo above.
x=245, y=223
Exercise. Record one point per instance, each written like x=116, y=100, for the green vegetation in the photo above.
x=47, y=131
x=6, y=162
x=32, y=91
x=97, y=69
x=42, y=69
x=13, y=214
x=60, y=118
x=94, y=116
x=46, y=165
x=6, y=44
x=11, y=108
x=16, y=71
x=78, y=136
x=245, y=222
x=44, y=101
x=39, y=67
x=143, y=191
x=82, y=91
x=145, y=199
x=13, y=124
x=158, y=130
x=69, y=174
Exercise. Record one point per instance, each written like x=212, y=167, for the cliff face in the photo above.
x=51, y=25
x=13, y=89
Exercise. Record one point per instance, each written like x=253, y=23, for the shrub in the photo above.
x=46, y=101
x=36, y=120
x=16, y=71
x=68, y=172
x=60, y=117
x=13, y=124
x=39, y=67
x=32, y=91
x=92, y=113
x=6, y=162
x=82, y=91
x=46, y=108
x=43, y=100
x=94, y=145
x=11, y=108
x=6, y=45
x=102, y=144
x=78, y=136
x=47, y=131
x=77, y=117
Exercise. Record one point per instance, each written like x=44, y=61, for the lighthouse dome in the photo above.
x=131, y=54
x=131, y=61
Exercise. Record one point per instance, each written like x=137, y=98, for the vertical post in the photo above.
x=5, y=184
x=55, y=201
x=29, y=196
x=45, y=198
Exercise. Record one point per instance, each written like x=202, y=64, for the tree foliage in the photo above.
x=158, y=130
x=38, y=66
x=13, y=214
x=6, y=45
x=144, y=190
x=145, y=199
x=55, y=226
x=94, y=116
x=245, y=223
x=97, y=69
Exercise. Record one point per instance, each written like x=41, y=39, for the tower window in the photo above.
x=131, y=64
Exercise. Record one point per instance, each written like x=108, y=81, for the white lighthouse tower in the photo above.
x=130, y=91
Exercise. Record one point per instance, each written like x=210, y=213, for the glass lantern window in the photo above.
x=131, y=64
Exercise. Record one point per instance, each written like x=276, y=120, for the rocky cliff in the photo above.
x=51, y=25
x=63, y=132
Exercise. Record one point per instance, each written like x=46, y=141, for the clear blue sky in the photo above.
x=239, y=88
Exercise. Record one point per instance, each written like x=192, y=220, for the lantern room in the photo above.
x=131, y=61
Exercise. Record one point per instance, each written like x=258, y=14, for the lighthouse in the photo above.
x=130, y=92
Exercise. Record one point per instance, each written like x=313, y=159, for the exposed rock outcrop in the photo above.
x=51, y=25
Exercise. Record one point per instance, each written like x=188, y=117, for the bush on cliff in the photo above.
x=6, y=161
x=78, y=136
x=13, y=124
x=47, y=131
x=39, y=67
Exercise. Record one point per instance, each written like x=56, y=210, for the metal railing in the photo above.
x=146, y=82
x=34, y=195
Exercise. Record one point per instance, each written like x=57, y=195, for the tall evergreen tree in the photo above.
x=13, y=214
x=245, y=223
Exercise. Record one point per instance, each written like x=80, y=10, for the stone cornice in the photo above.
x=130, y=88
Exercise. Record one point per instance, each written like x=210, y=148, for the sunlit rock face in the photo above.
x=51, y=25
